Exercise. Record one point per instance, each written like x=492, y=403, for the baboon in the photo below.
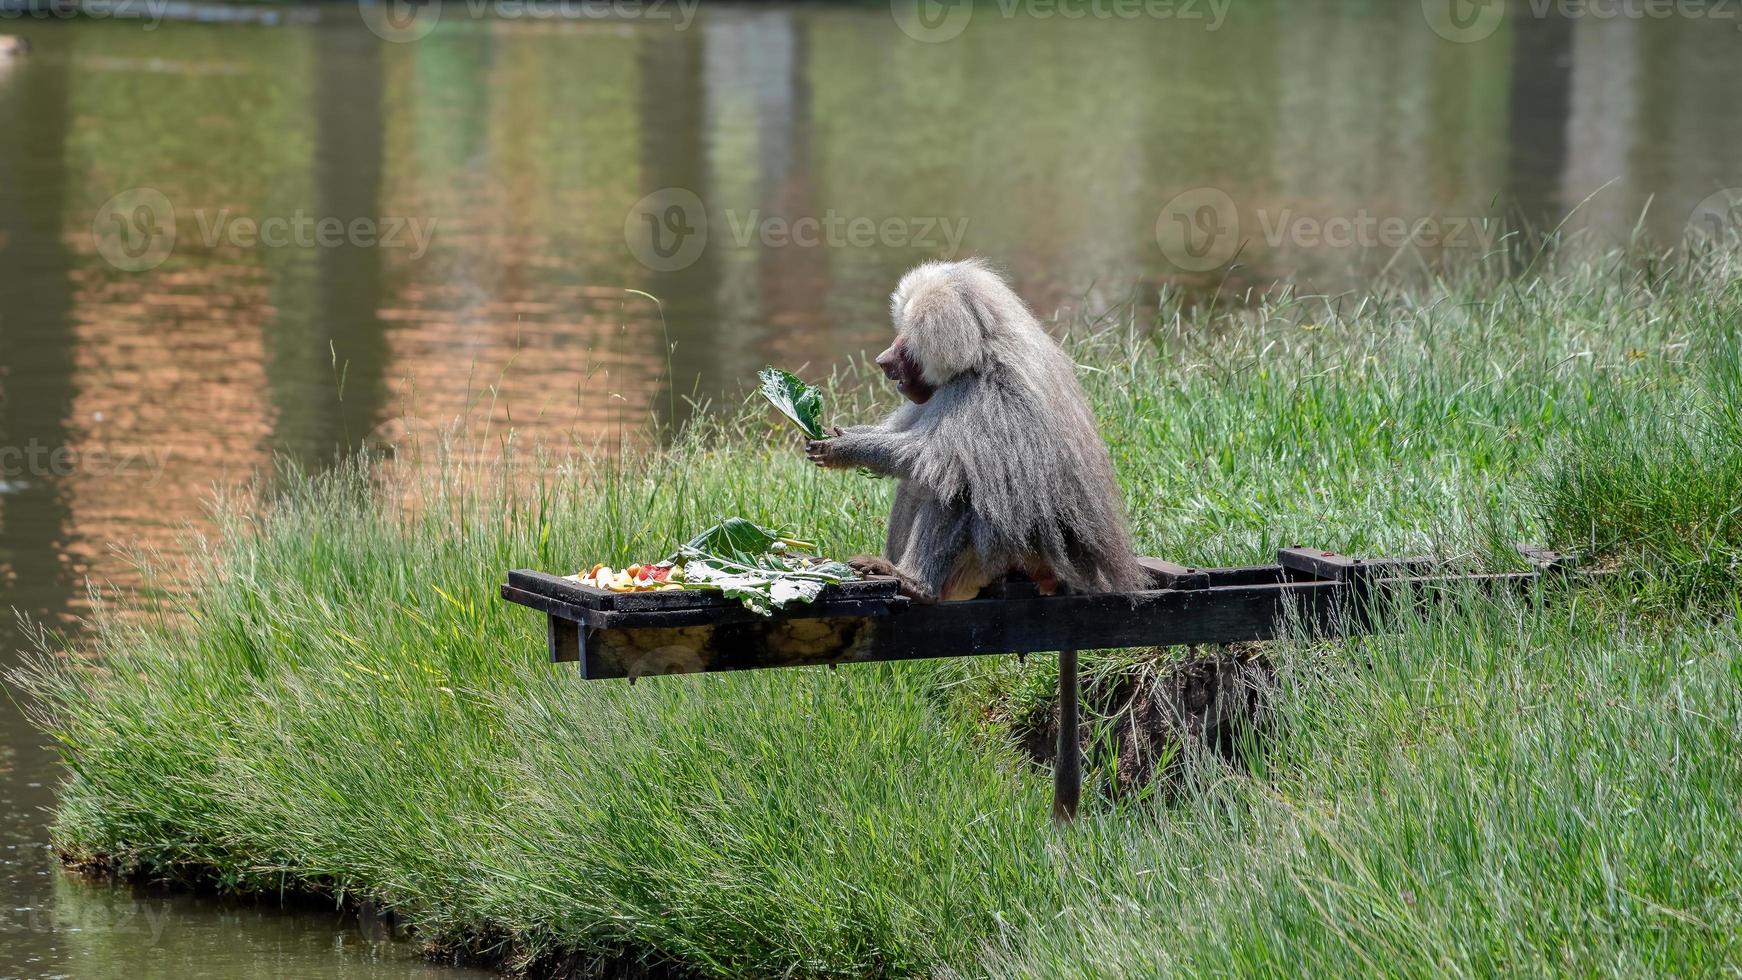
x=1001, y=466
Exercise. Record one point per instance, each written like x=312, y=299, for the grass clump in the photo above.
x=339, y=702
x=1651, y=481
x=1486, y=792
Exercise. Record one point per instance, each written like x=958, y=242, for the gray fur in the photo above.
x=1003, y=468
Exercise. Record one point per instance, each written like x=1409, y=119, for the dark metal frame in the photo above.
x=615, y=635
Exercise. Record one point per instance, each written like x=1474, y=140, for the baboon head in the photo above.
x=944, y=313
x=900, y=367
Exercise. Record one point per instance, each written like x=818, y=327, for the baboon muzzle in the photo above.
x=890, y=362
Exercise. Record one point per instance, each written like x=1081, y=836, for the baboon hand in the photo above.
x=873, y=565
x=868, y=565
x=822, y=451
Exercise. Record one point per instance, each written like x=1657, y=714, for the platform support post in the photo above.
x=1067, y=769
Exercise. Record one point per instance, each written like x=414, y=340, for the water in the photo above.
x=488, y=188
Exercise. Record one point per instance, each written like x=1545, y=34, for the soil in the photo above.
x=1140, y=725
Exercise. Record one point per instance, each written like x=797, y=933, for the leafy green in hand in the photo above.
x=801, y=402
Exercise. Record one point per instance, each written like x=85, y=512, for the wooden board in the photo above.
x=1165, y=574
x=1318, y=563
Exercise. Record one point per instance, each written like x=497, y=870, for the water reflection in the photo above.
x=155, y=935
x=825, y=152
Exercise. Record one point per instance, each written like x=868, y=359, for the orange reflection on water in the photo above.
x=169, y=379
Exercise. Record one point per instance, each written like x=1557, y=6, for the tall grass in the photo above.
x=1487, y=792
x=1651, y=479
x=341, y=703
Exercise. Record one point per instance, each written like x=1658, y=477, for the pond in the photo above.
x=221, y=241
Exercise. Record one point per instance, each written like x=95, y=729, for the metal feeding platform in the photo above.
x=629, y=635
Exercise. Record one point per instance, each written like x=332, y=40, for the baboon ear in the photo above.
x=942, y=328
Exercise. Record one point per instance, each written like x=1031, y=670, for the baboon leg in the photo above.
x=966, y=580
x=1043, y=578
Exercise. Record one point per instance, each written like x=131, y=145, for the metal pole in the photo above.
x=1067, y=768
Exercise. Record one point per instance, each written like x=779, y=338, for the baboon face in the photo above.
x=900, y=367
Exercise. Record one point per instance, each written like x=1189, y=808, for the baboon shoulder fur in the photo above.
x=1002, y=468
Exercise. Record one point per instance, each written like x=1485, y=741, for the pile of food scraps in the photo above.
x=758, y=566
x=651, y=577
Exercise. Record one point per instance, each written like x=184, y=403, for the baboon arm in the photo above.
x=875, y=448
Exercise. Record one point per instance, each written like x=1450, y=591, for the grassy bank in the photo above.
x=342, y=703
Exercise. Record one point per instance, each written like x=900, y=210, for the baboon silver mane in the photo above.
x=1001, y=466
